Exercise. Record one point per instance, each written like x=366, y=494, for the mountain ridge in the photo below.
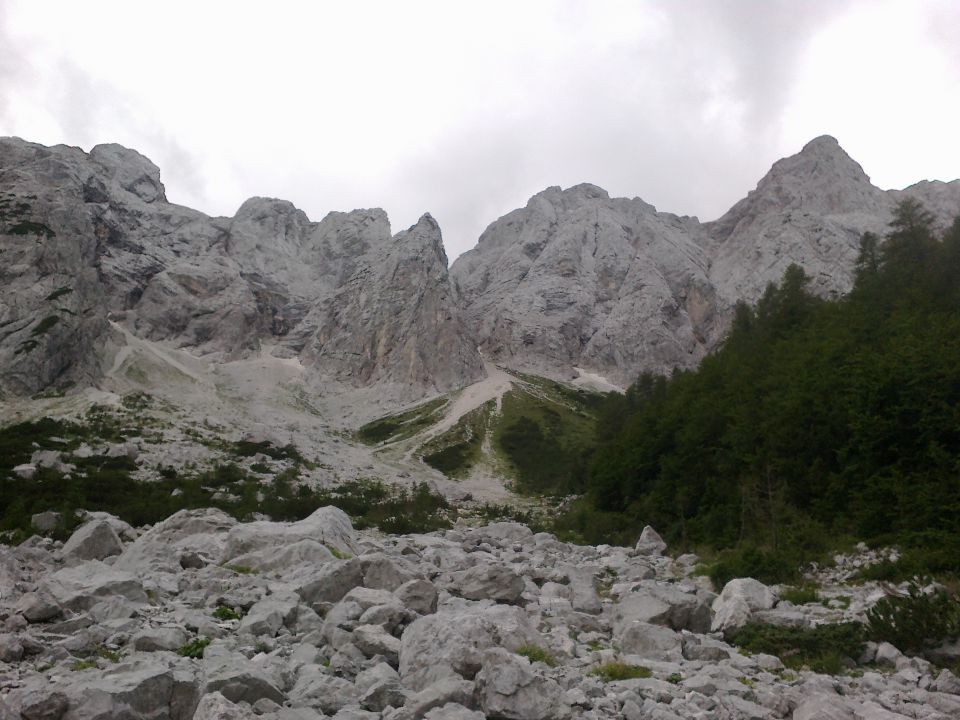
x=574, y=279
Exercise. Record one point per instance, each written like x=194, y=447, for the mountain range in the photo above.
x=575, y=282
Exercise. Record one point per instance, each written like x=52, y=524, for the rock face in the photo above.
x=610, y=285
x=576, y=279
x=579, y=278
x=89, y=238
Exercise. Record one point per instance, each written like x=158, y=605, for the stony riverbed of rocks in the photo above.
x=204, y=617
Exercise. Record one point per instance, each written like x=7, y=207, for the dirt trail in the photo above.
x=492, y=387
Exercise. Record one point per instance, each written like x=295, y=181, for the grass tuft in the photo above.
x=613, y=671
x=535, y=653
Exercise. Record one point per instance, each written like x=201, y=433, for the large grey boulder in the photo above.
x=328, y=526
x=214, y=706
x=317, y=687
x=650, y=542
x=201, y=532
x=454, y=711
x=824, y=707
x=95, y=540
x=449, y=690
x=510, y=688
x=267, y=616
x=137, y=690
x=450, y=644
x=83, y=586
x=46, y=521
x=238, y=679
x=38, y=606
x=330, y=582
x=420, y=596
x=11, y=649
x=373, y=640
x=652, y=642
x=675, y=606
x=489, y=582
x=737, y=601
x=159, y=638
x=285, y=558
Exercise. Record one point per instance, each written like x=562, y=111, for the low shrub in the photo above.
x=225, y=613
x=801, y=594
x=767, y=566
x=917, y=621
x=195, y=648
x=822, y=649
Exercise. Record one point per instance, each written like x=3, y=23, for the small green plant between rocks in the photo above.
x=225, y=613
x=535, y=653
x=613, y=671
x=194, y=649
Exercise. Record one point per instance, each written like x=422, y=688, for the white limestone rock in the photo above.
x=83, y=586
x=737, y=601
x=510, y=688
x=214, y=706
x=329, y=526
x=451, y=643
x=94, y=540
x=650, y=542
x=489, y=582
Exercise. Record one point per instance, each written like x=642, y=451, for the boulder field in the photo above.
x=201, y=616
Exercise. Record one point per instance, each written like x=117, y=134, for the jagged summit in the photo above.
x=217, y=287
x=579, y=279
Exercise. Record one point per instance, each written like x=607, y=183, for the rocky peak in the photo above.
x=394, y=321
x=423, y=243
x=85, y=235
x=576, y=277
x=130, y=170
x=265, y=227
x=809, y=209
x=820, y=179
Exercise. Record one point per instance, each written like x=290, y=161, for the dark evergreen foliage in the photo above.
x=816, y=420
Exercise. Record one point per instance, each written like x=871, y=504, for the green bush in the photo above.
x=767, y=566
x=450, y=460
x=194, y=648
x=225, y=613
x=822, y=648
x=916, y=621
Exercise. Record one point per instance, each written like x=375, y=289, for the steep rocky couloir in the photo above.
x=89, y=238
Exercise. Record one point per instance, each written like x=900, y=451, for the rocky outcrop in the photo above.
x=577, y=279
x=574, y=280
x=88, y=238
x=394, y=319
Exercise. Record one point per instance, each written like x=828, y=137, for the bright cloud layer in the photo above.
x=465, y=110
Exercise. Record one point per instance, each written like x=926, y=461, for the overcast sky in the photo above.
x=466, y=109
